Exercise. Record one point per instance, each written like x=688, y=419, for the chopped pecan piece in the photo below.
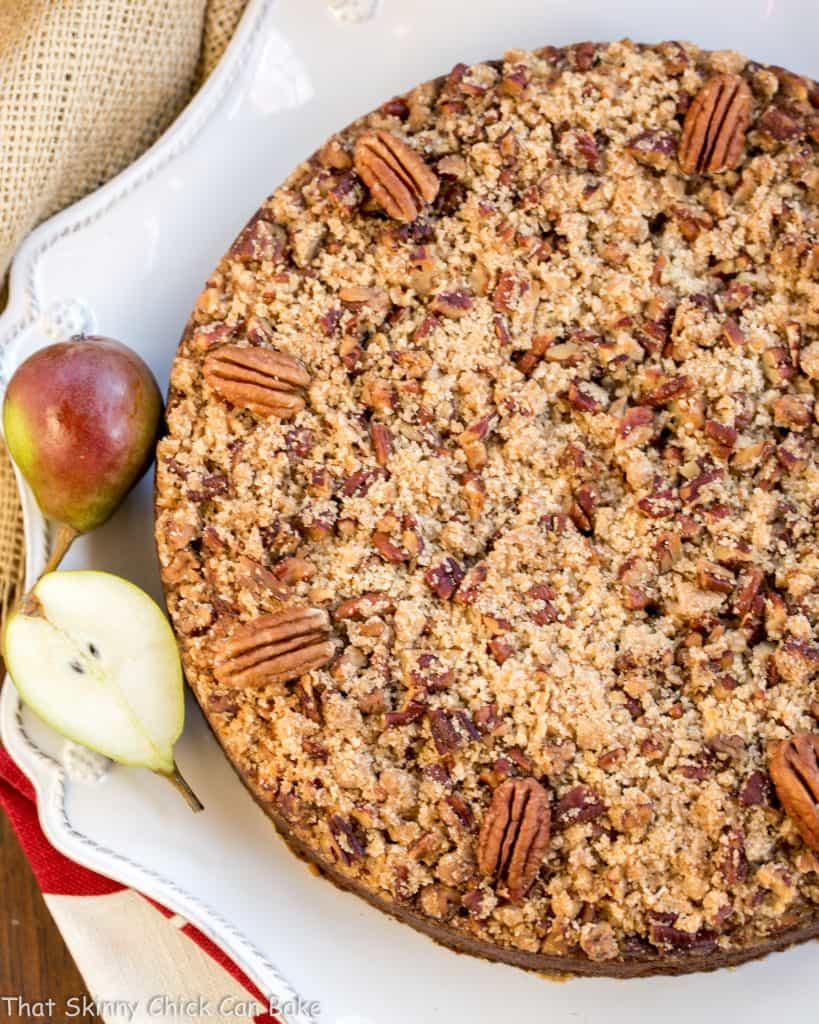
x=527, y=361
x=399, y=179
x=257, y=579
x=666, y=936
x=776, y=362
x=474, y=494
x=299, y=444
x=346, y=843
x=351, y=354
x=445, y=578
x=439, y=901
x=451, y=729
x=692, y=222
x=294, y=570
x=471, y=441
x=796, y=661
x=723, y=436
x=732, y=333
x=793, y=411
x=543, y=595
x=580, y=399
x=668, y=390
x=262, y=380
x=413, y=710
x=654, y=148
x=635, y=598
x=365, y=606
x=659, y=505
x=654, y=747
x=730, y=747
x=456, y=811
x=486, y=719
x=454, y=304
x=426, y=672
x=581, y=512
x=387, y=550
x=714, y=577
x=468, y=592
x=508, y=291
x=514, y=835
x=713, y=136
x=275, y=648
x=358, y=483
x=501, y=648
x=749, y=585
x=751, y=455
x=794, y=768
x=756, y=790
x=669, y=550
x=309, y=698
x=356, y=296
x=691, y=490
x=260, y=240
x=636, y=426
x=382, y=443
x=578, y=805
x=515, y=79
x=778, y=125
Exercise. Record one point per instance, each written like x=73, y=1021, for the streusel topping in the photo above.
x=552, y=489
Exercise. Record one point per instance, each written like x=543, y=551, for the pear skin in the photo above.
x=81, y=419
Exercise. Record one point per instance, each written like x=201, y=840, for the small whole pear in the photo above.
x=81, y=419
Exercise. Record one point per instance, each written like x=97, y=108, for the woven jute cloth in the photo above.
x=85, y=87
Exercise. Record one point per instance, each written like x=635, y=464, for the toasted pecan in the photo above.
x=713, y=136
x=514, y=835
x=275, y=648
x=262, y=380
x=399, y=179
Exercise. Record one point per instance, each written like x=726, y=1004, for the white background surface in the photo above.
x=136, y=255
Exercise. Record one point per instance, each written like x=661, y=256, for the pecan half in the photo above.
x=713, y=135
x=399, y=179
x=262, y=380
x=794, y=769
x=514, y=835
x=275, y=648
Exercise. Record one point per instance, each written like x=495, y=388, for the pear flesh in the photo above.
x=95, y=658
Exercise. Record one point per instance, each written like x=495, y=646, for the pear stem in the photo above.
x=63, y=539
x=180, y=784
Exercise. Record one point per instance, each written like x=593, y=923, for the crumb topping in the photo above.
x=554, y=481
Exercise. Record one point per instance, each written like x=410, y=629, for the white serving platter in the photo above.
x=128, y=262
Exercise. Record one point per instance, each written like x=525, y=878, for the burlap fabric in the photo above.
x=85, y=87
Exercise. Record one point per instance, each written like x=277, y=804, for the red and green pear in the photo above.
x=81, y=419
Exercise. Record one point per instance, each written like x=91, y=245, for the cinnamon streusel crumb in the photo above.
x=553, y=478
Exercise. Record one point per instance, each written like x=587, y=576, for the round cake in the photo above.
x=487, y=510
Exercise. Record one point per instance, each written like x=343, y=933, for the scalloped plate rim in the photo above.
x=46, y=774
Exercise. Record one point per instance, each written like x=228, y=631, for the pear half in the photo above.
x=95, y=658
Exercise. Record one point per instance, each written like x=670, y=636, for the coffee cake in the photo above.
x=487, y=508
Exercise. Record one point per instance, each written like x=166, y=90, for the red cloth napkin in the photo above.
x=128, y=948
